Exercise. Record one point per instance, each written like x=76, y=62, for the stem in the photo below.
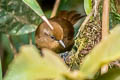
x=56, y=5
x=105, y=19
x=105, y=27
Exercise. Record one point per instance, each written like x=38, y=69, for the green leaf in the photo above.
x=54, y=59
x=111, y=75
x=106, y=51
x=88, y=6
x=25, y=29
x=29, y=65
x=35, y=6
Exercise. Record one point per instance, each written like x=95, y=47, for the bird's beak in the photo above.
x=61, y=43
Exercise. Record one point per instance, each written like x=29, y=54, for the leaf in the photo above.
x=54, y=59
x=108, y=50
x=25, y=29
x=29, y=65
x=35, y=6
x=113, y=74
x=88, y=6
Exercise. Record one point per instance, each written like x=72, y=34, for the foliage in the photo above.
x=29, y=65
x=15, y=15
x=25, y=29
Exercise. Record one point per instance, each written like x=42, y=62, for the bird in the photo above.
x=61, y=38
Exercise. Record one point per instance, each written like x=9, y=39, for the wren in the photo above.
x=60, y=39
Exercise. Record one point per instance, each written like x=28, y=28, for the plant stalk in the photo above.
x=105, y=19
x=56, y=6
x=105, y=27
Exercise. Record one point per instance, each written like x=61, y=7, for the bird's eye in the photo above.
x=53, y=37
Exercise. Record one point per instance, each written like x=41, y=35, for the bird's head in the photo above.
x=52, y=39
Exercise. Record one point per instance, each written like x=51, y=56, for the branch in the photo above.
x=56, y=5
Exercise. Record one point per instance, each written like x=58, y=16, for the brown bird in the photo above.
x=60, y=39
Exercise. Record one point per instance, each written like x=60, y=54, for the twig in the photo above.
x=96, y=8
x=12, y=46
x=105, y=27
x=56, y=5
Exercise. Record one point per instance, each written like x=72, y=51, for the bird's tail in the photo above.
x=71, y=16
